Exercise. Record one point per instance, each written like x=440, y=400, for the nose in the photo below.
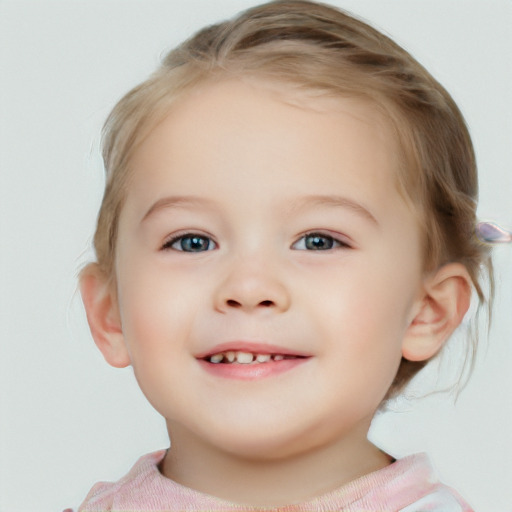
x=250, y=287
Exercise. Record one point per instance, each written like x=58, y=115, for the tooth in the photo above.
x=244, y=357
x=278, y=357
x=263, y=358
x=230, y=356
x=216, y=358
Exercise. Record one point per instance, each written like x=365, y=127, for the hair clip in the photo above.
x=491, y=233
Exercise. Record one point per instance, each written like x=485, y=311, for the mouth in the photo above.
x=250, y=361
x=243, y=357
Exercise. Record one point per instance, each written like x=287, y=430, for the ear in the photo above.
x=102, y=311
x=444, y=301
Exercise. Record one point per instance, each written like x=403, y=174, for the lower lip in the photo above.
x=251, y=371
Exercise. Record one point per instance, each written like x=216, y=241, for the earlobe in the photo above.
x=103, y=316
x=441, y=308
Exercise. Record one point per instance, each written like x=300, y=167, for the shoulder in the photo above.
x=430, y=493
x=407, y=485
x=104, y=496
x=443, y=499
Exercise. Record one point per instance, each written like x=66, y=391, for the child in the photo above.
x=286, y=239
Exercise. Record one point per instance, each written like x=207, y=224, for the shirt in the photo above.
x=406, y=485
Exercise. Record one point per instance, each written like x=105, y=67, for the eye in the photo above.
x=190, y=242
x=318, y=242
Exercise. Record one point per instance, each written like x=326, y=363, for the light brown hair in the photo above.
x=319, y=48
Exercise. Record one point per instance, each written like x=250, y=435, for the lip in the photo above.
x=253, y=371
x=253, y=347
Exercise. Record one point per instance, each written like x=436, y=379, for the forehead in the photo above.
x=267, y=141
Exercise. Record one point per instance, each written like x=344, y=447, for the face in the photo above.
x=263, y=224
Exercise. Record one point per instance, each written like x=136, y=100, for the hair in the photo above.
x=316, y=47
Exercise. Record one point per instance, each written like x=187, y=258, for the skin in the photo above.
x=251, y=155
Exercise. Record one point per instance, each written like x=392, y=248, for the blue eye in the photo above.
x=190, y=243
x=318, y=242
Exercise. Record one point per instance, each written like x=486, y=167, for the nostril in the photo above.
x=235, y=304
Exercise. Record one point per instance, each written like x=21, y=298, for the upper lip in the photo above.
x=251, y=347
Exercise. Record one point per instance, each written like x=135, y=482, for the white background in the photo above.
x=67, y=419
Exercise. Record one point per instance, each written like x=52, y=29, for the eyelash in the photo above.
x=336, y=243
x=168, y=246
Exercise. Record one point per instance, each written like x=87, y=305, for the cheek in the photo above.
x=156, y=320
x=154, y=308
x=364, y=315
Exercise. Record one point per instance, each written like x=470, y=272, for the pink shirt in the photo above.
x=407, y=485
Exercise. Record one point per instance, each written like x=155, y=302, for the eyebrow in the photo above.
x=300, y=203
x=177, y=202
x=334, y=201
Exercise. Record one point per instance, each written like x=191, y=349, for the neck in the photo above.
x=269, y=482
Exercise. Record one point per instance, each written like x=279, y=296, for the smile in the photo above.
x=250, y=361
x=239, y=357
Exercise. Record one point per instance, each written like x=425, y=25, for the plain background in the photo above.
x=67, y=419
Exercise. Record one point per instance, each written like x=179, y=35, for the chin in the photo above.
x=264, y=451
x=264, y=442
